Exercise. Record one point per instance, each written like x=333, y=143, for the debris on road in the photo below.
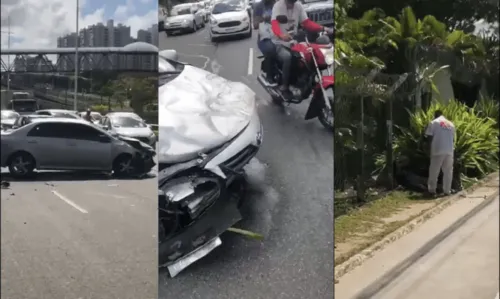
x=246, y=233
x=5, y=185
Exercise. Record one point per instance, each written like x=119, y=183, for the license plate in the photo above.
x=190, y=243
x=186, y=261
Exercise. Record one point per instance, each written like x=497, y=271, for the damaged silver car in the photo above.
x=209, y=130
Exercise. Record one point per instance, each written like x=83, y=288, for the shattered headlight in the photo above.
x=193, y=194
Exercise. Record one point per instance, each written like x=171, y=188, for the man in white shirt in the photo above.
x=442, y=134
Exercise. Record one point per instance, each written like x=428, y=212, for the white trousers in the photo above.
x=438, y=163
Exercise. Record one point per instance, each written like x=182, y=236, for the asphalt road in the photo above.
x=465, y=265
x=74, y=236
x=291, y=199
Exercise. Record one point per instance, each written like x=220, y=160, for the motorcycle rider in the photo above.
x=262, y=21
x=296, y=15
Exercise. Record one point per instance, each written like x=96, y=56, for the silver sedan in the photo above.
x=63, y=144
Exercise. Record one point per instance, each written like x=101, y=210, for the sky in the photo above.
x=38, y=24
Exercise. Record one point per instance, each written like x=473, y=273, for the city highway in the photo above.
x=76, y=236
x=291, y=201
x=463, y=265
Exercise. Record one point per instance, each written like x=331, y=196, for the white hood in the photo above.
x=230, y=16
x=199, y=111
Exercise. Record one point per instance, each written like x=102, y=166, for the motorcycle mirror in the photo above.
x=282, y=19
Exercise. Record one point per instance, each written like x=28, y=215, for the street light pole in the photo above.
x=75, y=106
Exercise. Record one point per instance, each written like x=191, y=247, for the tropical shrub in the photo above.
x=476, y=141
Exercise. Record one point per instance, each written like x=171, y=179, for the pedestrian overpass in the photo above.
x=135, y=57
x=31, y=69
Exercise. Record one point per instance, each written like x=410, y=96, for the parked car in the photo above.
x=203, y=8
x=71, y=144
x=58, y=113
x=229, y=18
x=184, y=18
x=130, y=125
x=209, y=130
x=8, y=118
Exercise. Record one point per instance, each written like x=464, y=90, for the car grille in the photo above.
x=229, y=24
x=321, y=16
x=236, y=163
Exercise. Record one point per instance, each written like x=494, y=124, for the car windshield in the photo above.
x=24, y=106
x=96, y=116
x=127, y=122
x=9, y=115
x=179, y=11
x=228, y=6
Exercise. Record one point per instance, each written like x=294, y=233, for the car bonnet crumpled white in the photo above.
x=199, y=111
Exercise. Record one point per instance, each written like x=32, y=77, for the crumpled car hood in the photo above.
x=199, y=111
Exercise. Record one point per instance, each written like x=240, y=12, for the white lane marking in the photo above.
x=107, y=195
x=199, y=45
x=69, y=202
x=250, y=62
x=497, y=296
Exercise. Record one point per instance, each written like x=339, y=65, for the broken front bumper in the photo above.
x=201, y=237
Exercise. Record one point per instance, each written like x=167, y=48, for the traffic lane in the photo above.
x=295, y=260
x=229, y=58
x=465, y=265
x=293, y=202
x=76, y=242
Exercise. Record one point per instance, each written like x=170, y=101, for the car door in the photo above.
x=90, y=147
x=46, y=142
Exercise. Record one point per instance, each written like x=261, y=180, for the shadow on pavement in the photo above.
x=48, y=176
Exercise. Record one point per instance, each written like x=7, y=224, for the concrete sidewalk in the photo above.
x=393, y=268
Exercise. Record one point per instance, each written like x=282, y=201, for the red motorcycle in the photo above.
x=311, y=74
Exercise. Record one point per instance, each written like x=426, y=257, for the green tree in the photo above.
x=456, y=14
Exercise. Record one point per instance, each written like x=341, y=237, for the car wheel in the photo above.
x=195, y=28
x=21, y=165
x=249, y=34
x=122, y=166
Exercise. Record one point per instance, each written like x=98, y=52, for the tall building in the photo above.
x=67, y=41
x=108, y=35
x=145, y=36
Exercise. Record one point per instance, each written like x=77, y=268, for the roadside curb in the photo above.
x=358, y=259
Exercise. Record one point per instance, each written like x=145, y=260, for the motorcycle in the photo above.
x=310, y=60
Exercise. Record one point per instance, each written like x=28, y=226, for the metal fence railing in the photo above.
x=368, y=104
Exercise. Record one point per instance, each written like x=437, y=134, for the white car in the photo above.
x=50, y=143
x=209, y=130
x=230, y=18
x=184, y=18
